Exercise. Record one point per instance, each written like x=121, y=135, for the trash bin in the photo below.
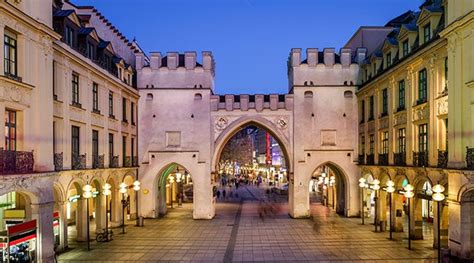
x=140, y=221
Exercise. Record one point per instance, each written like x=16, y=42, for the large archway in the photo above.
x=467, y=224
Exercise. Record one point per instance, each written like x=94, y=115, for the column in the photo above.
x=397, y=213
x=81, y=217
x=417, y=227
x=410, y=91
x=116, y=208
x=63, y=234
x=2, y=33
x=43, y=213
x=382, y=209
x=99, y=208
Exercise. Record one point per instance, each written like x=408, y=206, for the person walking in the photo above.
x=218, y=194
x=223, y=194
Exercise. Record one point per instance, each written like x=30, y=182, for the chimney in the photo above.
x=295, y=57
x=172, y=60
x=190, y=59
x=329, y=56
x=312, y=56
x=155, y=60
x=361, y=54
x=139, y=61
x=345, y=54
x=207, y=60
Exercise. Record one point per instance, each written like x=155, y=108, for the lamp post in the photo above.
x=86, y=194
x=107, y=192
x=362, y=185
x=390, y=189
x=171, y=179
x=178, y=181
x=332, y=181
x=376, y=187
x=439, y=197
x=123, y=191
x=136, y=188
x=409, y=194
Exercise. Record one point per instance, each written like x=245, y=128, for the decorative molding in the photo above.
x=400, y=119
x=384, y=123
x=442, y=106
x=421, y=113
x=221, y=123
x=282, y=122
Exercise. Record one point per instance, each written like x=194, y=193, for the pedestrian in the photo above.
x=218, y=194
x=223, y=194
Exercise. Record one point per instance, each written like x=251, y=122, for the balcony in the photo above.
x=470, y=158
x=420, y=159
x=400, y=159
x=383, y=159
x=114, y=162
x=370, y=159
x=127, y=161
x=135, y=161
x=442, y=159
x=58, y=161
x=361, y=159
x=78, y=162
x=16, y=162
x=98, y=161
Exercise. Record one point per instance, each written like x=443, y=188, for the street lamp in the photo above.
x=390, y=189
x=332, y=181
x=136, y=188
x=178, y=181
x=409, y=194
x=376, y=187
x=171, y=179
x=123, y=190
x=87, y=193
x=362, y=185
x=439, y=197
x=107, y=192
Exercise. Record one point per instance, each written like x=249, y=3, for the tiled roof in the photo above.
x=62, y=13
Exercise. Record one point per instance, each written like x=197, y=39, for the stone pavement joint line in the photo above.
x=229, y=253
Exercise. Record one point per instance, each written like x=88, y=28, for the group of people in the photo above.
x=268, y=205
x=224, y=195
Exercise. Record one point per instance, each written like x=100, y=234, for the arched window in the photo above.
x=308, y=94
x=149, y=96
x=198, y=96
x=348, y=94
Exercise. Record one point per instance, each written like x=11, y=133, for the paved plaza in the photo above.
x=239, y=234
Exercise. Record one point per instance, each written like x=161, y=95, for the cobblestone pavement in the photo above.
x=239, y=234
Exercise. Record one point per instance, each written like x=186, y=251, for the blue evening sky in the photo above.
x=250, y=39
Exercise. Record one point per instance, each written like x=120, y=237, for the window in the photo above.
x=375, y=68
x=10, y=130
x=124, y=150
x=111, y=146
x=422, y=86
x=446, y=133
x=75, y=89
x=388, y=57
x=132, y=151
x=401, y=95
x=366, y=75
x=95, y=97
x=371, y=108
x=423, y=138
x=10, y=55
x=402, y=140
x=69, y=36
x=405, y=47
x=427, y=33
x=55, y=96
x=75, y=143
x=384, y=102
x=95, y=145
x=385, y=142
x=120, y=74
x=362, y=145
x=111, y=105
x=124, y=109
x=446, y=73
x=90, y=50
x=371, y=144
x=362, y=109
x=132, y=112
x=128, y=79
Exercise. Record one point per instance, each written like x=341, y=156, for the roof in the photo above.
x=401, y=19
x=62, y=13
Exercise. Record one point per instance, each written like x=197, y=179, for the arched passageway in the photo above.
x=175, y=189
x=328, y=186
x=467, y=224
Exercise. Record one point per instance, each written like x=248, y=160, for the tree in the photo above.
x=237, y=151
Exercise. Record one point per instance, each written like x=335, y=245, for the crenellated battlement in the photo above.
x=324, y=68
x=175, y=70
x=258, y=102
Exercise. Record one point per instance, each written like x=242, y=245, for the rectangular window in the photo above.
x=75, y=143
x=362, y=145
x=375, y=68
x=446, y=73
x=10, y=130
x=371, y=144
x=385, y=142
x=371, y=108
x=55, y=95
x=422, y=87
x=111, y=104
x=427, y=33
x=132, y=151
x=10, y=55
x=90, y=50
x=384, y=102
x=405, y=47
x=401, y=95
x=124, y=149
x=132, y=112
x=402, y=140
x=95, y=97
x=69, y=36
x=111, y=146
x=95, y=144
x=362, y=113
x=75, y=89
x=423, y=138
x=124, y=109
x=388, y=57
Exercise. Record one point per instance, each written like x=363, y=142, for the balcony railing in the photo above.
x=58, y=161
x=114, y=162
x=470, y=158
x=98, y=162
x=442, y=159
x=78, y=161
x=135, y=161
x=127, y=161
x=370, y=159
x=383, y=159
x=420, y=159
x=400, y=159
x=361, y=159
x=16, y=162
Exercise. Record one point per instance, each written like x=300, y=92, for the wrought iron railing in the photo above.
x=114, y=162
x=361, y=159
x=16, y=162
x=78, y=161
x=400, y=159
x=135, y=161
x=127, y=161
x=98, y=161
x=470, y=158
x=420, y=159
x=58, y=161
x=442, y=159
x=370, y=159
x=383, y=159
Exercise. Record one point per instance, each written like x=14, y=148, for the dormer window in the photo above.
x=427, y=33
x=388, y=57
x=375, y=68
x=69, y=36
x=90, y=50
x=120, y=73
x=405, y=48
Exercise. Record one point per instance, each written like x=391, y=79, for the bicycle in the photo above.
x=102, y=236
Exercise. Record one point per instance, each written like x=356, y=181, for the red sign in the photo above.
x=23, y=227
x=23, y=239
x=56, y=215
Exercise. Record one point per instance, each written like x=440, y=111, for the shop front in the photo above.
x=18, y=242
